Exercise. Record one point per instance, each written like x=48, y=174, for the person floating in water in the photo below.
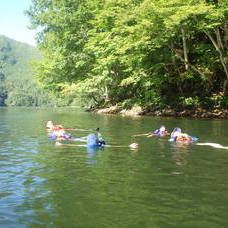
x=58, y=132
x=52, y=127
x=94, y=142
x=159, y=132
x=60, y=135
x=178, y=136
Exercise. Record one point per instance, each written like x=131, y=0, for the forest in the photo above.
x=152, y=53
x=18, y=85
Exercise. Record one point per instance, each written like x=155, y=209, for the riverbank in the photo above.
x=194, y=113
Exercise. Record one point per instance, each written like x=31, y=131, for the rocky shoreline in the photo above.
x=194, y=113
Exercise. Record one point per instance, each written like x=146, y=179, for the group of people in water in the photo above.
x=59, y=133
x=175, y=136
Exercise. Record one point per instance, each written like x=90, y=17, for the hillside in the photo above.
x=18, y=85
x=17, y=58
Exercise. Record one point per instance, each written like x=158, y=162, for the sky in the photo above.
x=14, y=23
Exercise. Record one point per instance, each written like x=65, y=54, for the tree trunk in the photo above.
x=219, y=40
x=186, y=62
x=220, y=51
x=225, y=39
x=106, y=94
x=225, y=87
x=172, y=52
x=189, y=65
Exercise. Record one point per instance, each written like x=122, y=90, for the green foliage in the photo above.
x=17, y=58
x=190, y=102
x=24, y=93
x=3, y=90
x=218, y=101
x=133, y=52
x=18, y=86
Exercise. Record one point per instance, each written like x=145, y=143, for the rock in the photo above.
x=136, y=110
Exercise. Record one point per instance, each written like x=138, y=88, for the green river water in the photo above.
x=160, y=184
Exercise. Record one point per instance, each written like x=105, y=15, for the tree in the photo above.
x=132, y=52
x=3, y=91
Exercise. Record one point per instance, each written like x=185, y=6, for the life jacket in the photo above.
x=156, y=132
x=93, y=140
x=159, y=132
x=67, y=136
x=56, y=128
x=163, y=133
x=60, y=135
x=183, y=138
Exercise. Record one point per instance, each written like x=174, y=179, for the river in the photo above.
x=160, y=184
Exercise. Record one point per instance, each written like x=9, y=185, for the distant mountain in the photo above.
x=16, y=58
x=18, y=86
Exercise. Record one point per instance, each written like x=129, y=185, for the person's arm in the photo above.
x=141, y=135
x=132, y=145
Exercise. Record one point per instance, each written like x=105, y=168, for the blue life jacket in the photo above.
x=156, y=132
x=159, y=132
x=93, y=141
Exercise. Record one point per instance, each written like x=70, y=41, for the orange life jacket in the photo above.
x=182, y=138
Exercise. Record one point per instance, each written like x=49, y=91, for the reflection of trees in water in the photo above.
x=78, y=185
x=177, y=152
x=109, y=188
x=180, y=155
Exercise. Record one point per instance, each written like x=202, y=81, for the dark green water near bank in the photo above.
x=161, y=184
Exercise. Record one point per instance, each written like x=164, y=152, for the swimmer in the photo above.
x=61, y=134
x=159, y=132
x=178, y=136
x=52, y=127
x=94, y=142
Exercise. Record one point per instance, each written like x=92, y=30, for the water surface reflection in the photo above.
x=43, y=185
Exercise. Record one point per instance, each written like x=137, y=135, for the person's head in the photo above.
x=162, y=128
x=49, y=124
x=176, y=129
